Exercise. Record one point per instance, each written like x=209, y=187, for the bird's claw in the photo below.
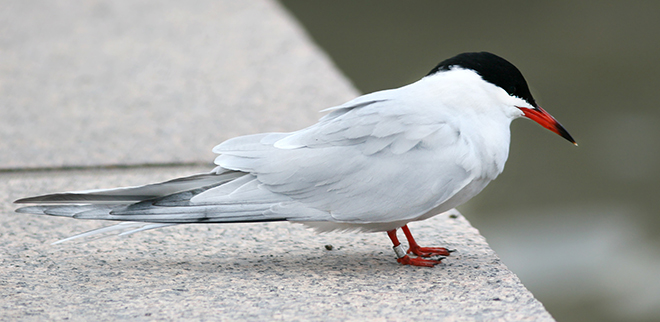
x=418, y=261
x=429, y=251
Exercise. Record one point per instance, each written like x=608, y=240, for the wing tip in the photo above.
x=30, y=210
x=50, y=198
x=24, y=200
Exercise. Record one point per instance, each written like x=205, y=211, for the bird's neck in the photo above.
x=489, y=140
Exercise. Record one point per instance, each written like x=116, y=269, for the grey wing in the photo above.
x=167, y=202
x=368, y=161
x=134, y=194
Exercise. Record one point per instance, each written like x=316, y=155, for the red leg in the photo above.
x=403, y=258
x=422, y=251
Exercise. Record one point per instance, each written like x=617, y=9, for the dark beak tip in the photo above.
x=563, y=133
x=568, y=137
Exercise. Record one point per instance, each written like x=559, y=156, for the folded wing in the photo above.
x=371, y=160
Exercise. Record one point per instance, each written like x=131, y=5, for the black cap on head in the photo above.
x=493, y=69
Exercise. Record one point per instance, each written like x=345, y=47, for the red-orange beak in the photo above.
x=546, y=120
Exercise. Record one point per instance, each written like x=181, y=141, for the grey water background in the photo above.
x=578, y=225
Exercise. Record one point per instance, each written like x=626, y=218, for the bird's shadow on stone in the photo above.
x=363, y=265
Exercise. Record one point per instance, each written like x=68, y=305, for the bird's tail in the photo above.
x=160, y=204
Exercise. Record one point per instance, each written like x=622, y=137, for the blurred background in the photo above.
x=578, y=225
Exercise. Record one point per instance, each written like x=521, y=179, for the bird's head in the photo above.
x=501, y=73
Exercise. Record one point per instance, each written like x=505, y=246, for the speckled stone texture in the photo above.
x=269, y=271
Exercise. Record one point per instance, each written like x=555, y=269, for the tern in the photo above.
x=372, y=164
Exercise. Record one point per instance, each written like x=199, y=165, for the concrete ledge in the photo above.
x=271, y=271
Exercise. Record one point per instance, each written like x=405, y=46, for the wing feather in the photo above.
x=359, y=164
